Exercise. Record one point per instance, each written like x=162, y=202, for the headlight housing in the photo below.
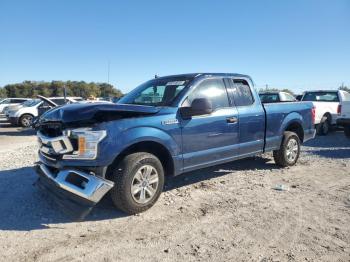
x=87, y=143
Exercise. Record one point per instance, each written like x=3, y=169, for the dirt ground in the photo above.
x=225, y=213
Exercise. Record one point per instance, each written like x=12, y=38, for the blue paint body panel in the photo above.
x=200, y=141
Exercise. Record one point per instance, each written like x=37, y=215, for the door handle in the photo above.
x=231, y=119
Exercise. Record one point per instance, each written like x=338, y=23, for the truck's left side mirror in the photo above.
x=199, y=106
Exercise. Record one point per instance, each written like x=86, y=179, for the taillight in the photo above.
x=313, y=115
x=339, y=109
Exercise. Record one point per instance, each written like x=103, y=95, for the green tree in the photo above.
x=55, y=88
x=345, y=88
x=3, y=92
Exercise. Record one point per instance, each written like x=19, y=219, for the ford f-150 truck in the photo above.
x=165, y=127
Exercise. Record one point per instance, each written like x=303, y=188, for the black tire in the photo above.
x=123, y=177
x=324, y=126
x=26, y=120
x=347, y=131
x=281, y=156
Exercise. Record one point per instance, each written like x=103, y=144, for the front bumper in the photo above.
x=74, y=190
x=343, y=121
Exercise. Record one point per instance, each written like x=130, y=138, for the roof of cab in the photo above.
x=314, y=91
x=194, y=75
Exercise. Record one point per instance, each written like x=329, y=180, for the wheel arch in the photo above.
x=27, y=114
x=152, y=147
x=329, y=117
x=297, y=128
x=293, y=122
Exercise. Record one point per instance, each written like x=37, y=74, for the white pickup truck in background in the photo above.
x=327, y=105
x=344, y=117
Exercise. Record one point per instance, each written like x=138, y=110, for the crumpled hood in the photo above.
x=89, y=113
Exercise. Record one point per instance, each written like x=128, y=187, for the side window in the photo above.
x=212, y=89
x=242, y=93
x=284, y=97
x=58, y=101
x=289, y=97
x=17, y=100
x=6, y=101
x=44, y=104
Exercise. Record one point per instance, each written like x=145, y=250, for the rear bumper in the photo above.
x=75, y=191
x=309, y=134
x=343, y=121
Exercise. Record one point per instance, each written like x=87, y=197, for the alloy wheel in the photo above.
x=144, y=184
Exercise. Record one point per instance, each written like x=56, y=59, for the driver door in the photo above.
x=213, y=138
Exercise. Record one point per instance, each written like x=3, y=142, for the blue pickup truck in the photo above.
x=165, y=127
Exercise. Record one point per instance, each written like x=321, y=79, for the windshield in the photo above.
x=32, y=102
x=321, y=96
x=156, y=92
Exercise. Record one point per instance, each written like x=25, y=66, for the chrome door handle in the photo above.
x=231, y=120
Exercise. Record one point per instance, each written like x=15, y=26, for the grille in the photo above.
x=52, y=129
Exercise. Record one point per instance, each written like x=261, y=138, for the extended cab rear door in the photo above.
x=251, y=116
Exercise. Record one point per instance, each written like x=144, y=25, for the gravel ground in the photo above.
x=225, y=213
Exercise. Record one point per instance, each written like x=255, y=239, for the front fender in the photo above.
x=146, y=134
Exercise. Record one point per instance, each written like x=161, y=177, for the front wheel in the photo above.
x=139, y=181
x=289, y=151
x=347, y=131
x=26, y=120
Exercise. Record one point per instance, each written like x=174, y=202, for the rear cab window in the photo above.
x=321, y=97
x=242, y=94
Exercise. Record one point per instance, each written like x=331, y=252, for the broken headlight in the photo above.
x=86, y=143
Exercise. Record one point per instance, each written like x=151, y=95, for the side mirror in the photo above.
x=199, y=106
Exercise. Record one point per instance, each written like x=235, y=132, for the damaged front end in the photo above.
x=76, y=189
x=73, y=151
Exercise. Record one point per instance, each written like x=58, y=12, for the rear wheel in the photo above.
x=289, y=151
x=347, y=131
x=325, y=126
x=139, y=181
x=26, y=120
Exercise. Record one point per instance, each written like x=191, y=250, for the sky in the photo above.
x=296, y=44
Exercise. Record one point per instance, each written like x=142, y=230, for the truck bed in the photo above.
x=281, y=115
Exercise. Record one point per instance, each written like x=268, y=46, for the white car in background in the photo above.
x=11, y=101
x=24, y=115
x=344, y=117
x=327, y=107
x=15, y=107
